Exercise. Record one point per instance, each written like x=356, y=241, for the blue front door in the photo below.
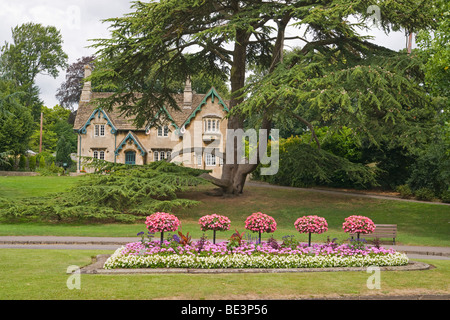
x=130, y=157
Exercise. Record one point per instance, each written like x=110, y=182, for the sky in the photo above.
x=81, y=20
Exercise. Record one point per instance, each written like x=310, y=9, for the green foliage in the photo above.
x=405, y=191
x=63, y=149
x=302, y=165
x=55, y=126
x=41, y=162
x=15, y=119
x=22, y=162
x=32, y=163
x=424, y=194
x=445, y=197
x=35, y=49
x=434, y=43
x=432, y=170
x=116, y=192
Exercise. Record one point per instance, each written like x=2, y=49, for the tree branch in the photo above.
x=310, y=126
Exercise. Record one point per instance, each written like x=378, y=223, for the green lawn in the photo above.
x=41, y=274
x=418, y=223
x=33, y=186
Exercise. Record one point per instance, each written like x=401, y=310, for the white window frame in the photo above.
x=99, y=130
x=210, y=160
x=199, y=160
x=211, y=125
x=155, y=155
x=102, y=155
x=163, y=131
x=95, y=156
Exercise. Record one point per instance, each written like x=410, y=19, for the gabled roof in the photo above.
x=135, y=140
x=211, y=93
x=98, y=112
x=179, y=118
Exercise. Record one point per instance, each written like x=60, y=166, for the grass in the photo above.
x=41, y=274
x=418, y=223
x=12, y=187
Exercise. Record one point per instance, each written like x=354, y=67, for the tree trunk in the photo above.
x=234, y=175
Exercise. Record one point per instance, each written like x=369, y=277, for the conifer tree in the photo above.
x=328, y=78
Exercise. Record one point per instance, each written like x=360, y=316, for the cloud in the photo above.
x=81, y=20
x=78, y=21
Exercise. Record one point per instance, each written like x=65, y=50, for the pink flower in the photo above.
x=161, y=222
x=358, y=224
x=214, y=222
x=313, y=224
x=260, y=222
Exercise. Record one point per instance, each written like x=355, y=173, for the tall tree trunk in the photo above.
x=234, y=175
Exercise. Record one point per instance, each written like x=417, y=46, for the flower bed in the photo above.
x=205, y=255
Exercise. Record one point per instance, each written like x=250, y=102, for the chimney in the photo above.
x=187, y=102
x=86, y=91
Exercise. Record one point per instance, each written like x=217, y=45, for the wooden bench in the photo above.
x=381, y=231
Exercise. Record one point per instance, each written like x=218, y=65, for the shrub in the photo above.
x=316, y=167
x=424, y=194
x=260, y=222
x=214, y=222
x=445, y=196
x=311, y=224
x=41, y=162
x=22, y=162
x=405, y=191
x=12, y=163
x=32, y=163
x=358, y=224
x=127, y=193
x=161, y=222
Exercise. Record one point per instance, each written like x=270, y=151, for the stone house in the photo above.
x=198, y=126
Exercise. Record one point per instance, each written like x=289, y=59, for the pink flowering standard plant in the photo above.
x=214, y=222
x=311, y=224
x=358, y=225
x=260, y=222
x=161, y=222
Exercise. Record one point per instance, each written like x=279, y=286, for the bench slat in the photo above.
x=381, y=231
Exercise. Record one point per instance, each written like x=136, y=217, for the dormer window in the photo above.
x=163, y=131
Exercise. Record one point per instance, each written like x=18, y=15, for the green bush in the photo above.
x=22, y=162
x=431, y=170
x=405, y=191
x=127, y=193
x=41, y=162
x=32, y=163
x=302, y=165
x=445, y=196
x=424, y=194
x=12, y=163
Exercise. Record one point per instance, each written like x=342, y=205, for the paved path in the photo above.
x=339, y=192
x=112, y=243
